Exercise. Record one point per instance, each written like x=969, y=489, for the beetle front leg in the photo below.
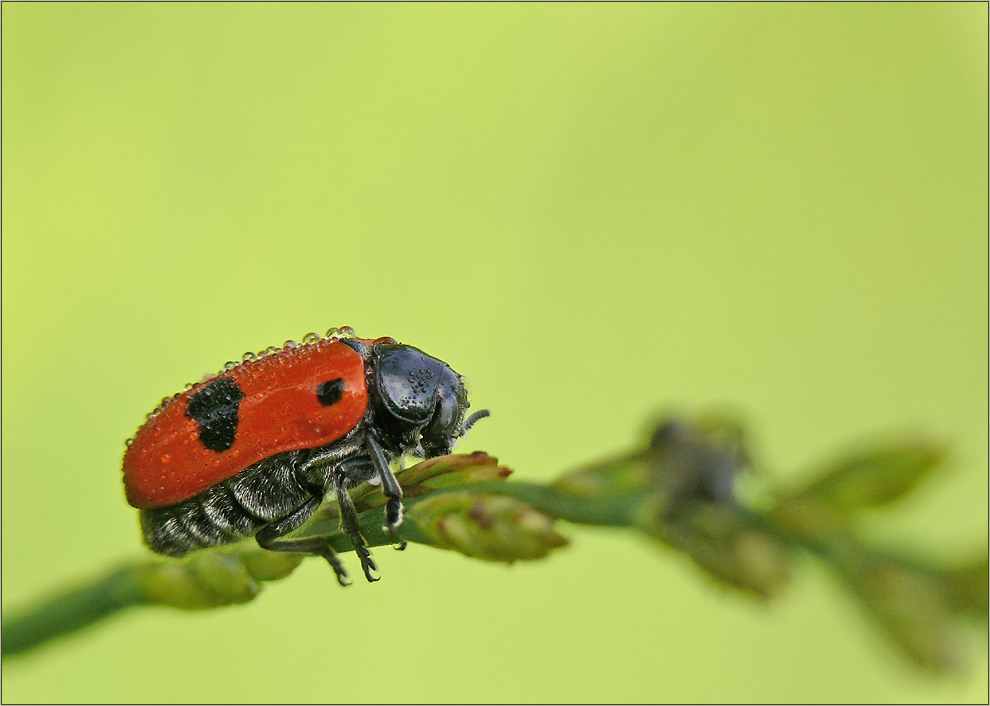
x=390, y=485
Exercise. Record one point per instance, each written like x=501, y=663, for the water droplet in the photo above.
x=335, y=333
x=311, y=337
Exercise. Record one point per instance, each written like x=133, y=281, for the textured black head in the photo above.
x=416, y=395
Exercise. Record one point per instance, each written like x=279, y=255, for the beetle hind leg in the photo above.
x=268, y=538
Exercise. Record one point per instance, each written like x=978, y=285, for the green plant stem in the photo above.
x=609, y=511
x=125, y=587
x=72, y=610
x=678, y=490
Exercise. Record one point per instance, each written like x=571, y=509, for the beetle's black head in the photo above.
x=417, y=400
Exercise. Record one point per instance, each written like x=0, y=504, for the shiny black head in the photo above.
x=417, y=400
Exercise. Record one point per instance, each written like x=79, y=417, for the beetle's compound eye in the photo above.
x=330, y=392
x=448, y=416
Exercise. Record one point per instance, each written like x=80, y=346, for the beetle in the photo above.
x=254, y=449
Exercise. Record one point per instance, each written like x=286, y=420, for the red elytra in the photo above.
x=166, y=463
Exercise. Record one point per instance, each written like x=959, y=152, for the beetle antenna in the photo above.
x=469, y=422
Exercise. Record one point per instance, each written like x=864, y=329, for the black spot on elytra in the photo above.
x=214, y=409
x=330, y=392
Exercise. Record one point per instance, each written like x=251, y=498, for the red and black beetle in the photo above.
x=254, y=450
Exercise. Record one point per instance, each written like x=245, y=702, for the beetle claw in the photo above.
x=367, y=563
x=338, y=568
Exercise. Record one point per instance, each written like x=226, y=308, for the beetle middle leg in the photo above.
x=350, y=525
x=268, y=538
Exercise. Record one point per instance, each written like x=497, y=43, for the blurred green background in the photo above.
x=595, y=212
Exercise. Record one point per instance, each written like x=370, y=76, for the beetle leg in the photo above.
x=350, y=526
x=268, y=538
x=390, y=486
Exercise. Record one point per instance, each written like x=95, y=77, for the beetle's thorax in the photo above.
x=416, y=403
